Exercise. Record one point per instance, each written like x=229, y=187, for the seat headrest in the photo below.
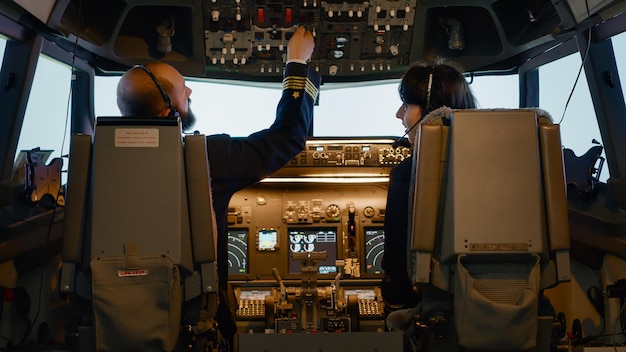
x=438, y=116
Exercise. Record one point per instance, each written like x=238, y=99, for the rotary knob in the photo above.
x=369, y=211
x=333, y=211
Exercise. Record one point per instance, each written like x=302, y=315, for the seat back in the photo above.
x=139, y=189
x=139, y=220
x=489, y=219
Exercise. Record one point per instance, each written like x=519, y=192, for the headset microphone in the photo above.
x=399, y=141
x=173, y=112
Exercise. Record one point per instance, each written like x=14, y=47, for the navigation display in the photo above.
x=313, y=240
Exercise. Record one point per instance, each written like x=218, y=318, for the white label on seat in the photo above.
x=137, y=137
x=136, y=272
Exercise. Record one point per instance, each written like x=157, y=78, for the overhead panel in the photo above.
x=353, y=38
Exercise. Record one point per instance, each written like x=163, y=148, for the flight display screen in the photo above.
x=253, y=295
x=374, y=249
x=361, y=293
x=267, y=240
x=313, y=240
x=237, y=251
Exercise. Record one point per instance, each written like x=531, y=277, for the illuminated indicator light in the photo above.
x=260, y=15
x=8, y=295
x=288, y=15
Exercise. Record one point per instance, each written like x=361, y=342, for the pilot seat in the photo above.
x=488, y=230
x=139, y=259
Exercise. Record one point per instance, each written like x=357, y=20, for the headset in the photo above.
x=173, y=112
x=427, y=108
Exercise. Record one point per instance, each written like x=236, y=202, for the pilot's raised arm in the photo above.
x=236, y=163
x=244, y=161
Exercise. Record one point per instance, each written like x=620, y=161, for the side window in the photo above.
x=619, y=47
x=496, y=91
x=46, y=122
x=577, y=118
x=3, y=44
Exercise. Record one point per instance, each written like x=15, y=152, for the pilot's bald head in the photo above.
x=138, y=94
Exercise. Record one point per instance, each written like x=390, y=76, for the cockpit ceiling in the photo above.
x=355, y=40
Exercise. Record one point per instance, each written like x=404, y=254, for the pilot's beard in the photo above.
x=188, y=120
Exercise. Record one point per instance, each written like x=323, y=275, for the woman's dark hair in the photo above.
x=448, y=86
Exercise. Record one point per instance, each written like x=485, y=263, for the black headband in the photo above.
x=166, y=98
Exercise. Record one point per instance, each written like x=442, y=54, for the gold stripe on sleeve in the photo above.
x=301, y=83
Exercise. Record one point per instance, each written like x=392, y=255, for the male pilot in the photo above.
x=235, y=163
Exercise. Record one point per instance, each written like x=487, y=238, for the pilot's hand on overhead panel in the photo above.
x=301, y=45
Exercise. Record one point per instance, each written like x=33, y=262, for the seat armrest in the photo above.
x=76, y=198
x=428, y=163
x=203, y=228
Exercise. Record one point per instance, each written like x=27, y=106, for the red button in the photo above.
x=260, y=15
x=288, y=15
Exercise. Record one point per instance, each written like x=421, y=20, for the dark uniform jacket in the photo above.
x=396, y=287
x=236, y=163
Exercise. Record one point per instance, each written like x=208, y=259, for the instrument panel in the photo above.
x=252, y=301
x=317, y=221
x=270, y=222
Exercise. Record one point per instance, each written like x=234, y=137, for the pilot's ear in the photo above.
x=164, y=112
